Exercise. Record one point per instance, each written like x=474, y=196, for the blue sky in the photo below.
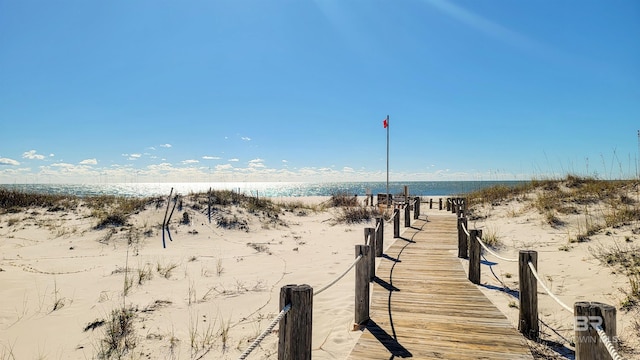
x=296, y=90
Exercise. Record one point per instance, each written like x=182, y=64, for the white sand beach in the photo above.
x=208, y=294
x=214, y=288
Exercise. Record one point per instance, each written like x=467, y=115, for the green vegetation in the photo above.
x=351, y=211
x=491, y=237
x=119, y=334
x=586, y=207
x=572, y=195
x=10, y=200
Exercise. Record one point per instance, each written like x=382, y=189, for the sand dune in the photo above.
x=208, y=294
x=215, y=288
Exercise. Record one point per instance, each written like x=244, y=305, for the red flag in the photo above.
x=385, y=123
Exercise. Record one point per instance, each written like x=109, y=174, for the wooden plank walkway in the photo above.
x=423, y=306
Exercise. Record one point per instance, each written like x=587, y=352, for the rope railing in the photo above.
x=554, y=297
x=596, y=315
x=266, y=332
x=465, y=230
x=391, y=219
x=607, y=343
x=317, y=292
x=493, y=253
x=295, y=329
x=284, y=311
x=484, y=246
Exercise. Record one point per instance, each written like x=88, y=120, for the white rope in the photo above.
x=465, y=230
x=608, y=344
x=339, y=277
x=493, y=253
x=486, y=247
x=266, y=332
x=533, y=270
x=392, y=218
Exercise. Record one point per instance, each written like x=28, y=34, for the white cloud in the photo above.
x=5, y=161
x=348, y=169
x=284, y=161
x=186, y=162
x=224, y=167
x=246, y=138
x=31, y=154
x=211, y=157
x=161, y=167
x=165, y=145
x=234, y=160
x=256, y=163
x=63, y=165
x=132, y=156
x=89, y=162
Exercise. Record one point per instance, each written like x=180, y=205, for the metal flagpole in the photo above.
x=388, y=161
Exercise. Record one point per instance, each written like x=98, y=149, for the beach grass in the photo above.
x=600, y=219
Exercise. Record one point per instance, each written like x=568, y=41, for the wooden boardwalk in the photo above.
x=423, y=306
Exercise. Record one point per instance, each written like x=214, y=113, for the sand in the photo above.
x=571, y=270
x=212, y=290
x=208, y=294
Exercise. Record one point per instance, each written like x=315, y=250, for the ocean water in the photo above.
x=267, y=189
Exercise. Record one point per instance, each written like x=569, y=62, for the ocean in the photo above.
x=266, y=189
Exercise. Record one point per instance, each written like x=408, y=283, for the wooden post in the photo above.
x=370, y=238
x=448, y=204
x=416, y=208
x=454, y=205
x=463, y=242
x=474, y=256
x=396, y=223
x=431, y=203
x=379, y=236
x=589, y=346
x=295, y=327
x=209, y=206
x=407, y=215
x=370, y=234
x=362, y=285
x=440, y=206
x=528, y=318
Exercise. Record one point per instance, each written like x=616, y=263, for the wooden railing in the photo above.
x=296, y=301
x=594, y=322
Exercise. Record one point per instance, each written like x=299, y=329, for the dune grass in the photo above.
x=586, y=207
x=572, y=195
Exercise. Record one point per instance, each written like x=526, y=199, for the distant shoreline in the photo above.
x=266, y=189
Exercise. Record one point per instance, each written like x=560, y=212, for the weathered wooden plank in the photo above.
x=424, y=307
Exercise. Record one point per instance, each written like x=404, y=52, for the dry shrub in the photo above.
x=113, y=219
x=341, y=199
x=357, y=214
x=495, y=194
x=119, y=334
